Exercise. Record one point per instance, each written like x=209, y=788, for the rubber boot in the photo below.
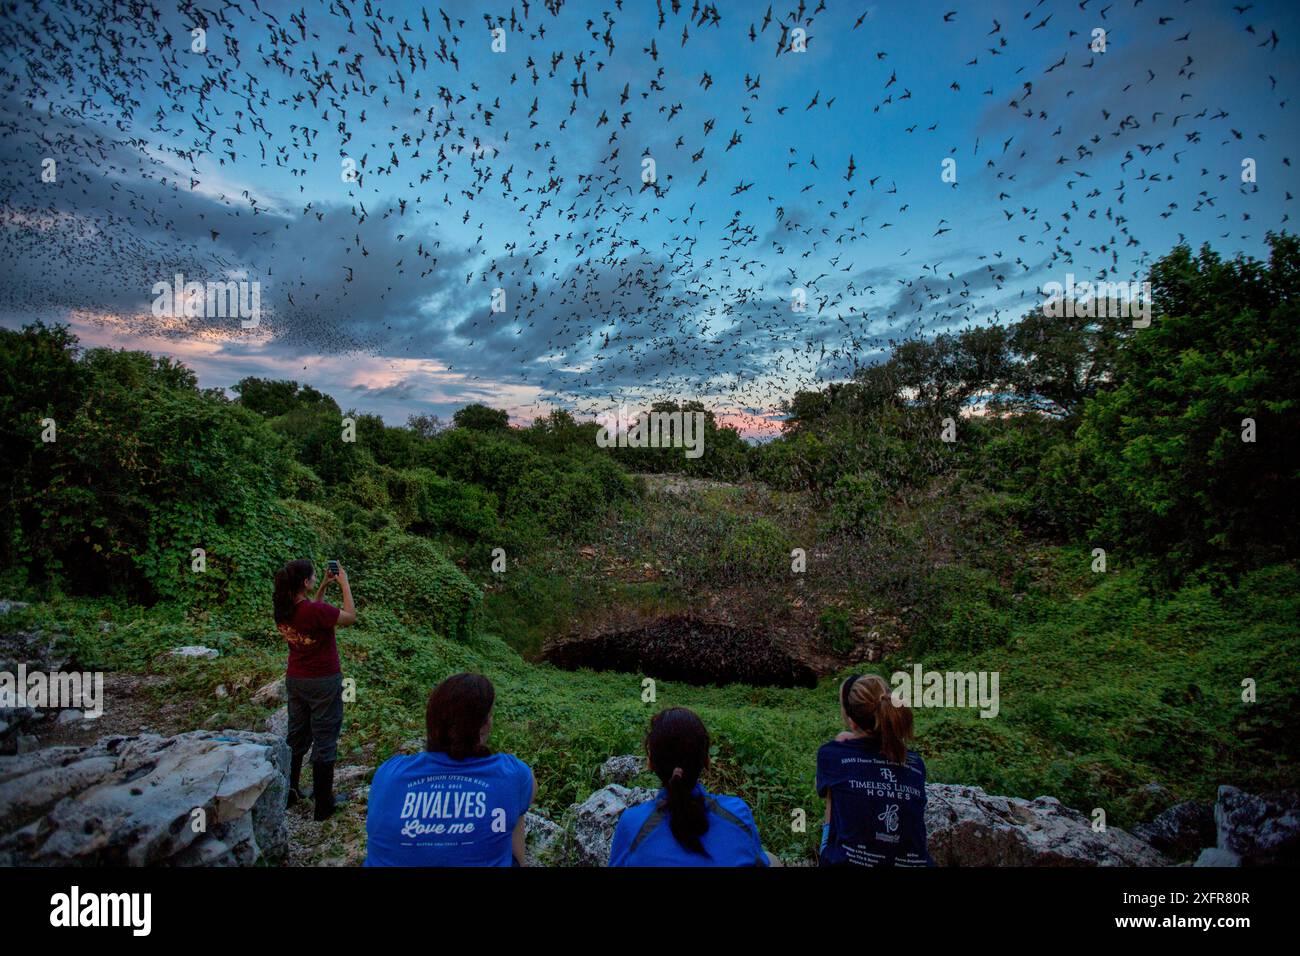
x=322, y=778
x=296, y=792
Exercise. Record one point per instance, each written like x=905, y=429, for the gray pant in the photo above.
x=315, y=716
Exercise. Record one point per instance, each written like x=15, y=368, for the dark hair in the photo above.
x=458, y=708
x=288, y=582
x=678, y=746
x=870, y=705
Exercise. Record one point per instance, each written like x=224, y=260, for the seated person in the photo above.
x=457, y=803
x=874, y=786
x=686, y=825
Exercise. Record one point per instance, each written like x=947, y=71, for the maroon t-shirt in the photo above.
x=313, y=651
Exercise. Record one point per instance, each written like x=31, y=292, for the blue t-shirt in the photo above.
x=877, y=807
x=644, y=838
x=427, y=809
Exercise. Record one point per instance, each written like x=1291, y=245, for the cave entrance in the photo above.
x=687, y=649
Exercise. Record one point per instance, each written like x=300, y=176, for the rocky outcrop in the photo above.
x=195, y=650
x=965, y=826
x=1180, y=831
x=541, y=838
x=272, y=694
x=1254, y=830
x=278, y=722
x=968, y=827
x=199, y=798
x=621, y=769
x=16, y=724
x=591, y=824
x=38, y=651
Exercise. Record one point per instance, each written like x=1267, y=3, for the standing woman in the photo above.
x=313, y=678
x=874, y=786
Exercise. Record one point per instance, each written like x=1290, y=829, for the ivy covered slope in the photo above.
x=1109, y=691
x=163, y=510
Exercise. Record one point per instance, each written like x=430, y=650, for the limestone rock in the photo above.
x=131, y=800
x=278, y=722
x=621, y=769
x=14, y=723
x=540, y=835
x=593, y=821
x=968, y=827
x=37, y=649
x=1180, y=831
x=1151, y=799
x=1261, y=830
x=271, y=694
x=195, y=650
x=1213, y=856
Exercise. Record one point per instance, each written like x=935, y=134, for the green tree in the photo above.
x=425, y=425
x=1165, y=455
x=274, y=398
x=1059, y=363
x=479, y=417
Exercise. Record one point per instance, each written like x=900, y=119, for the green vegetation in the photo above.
x=970, y=555
x=1103, y=692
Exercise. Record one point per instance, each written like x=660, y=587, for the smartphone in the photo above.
x=334, y=567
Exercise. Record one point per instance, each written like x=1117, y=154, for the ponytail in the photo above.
x=288, y=582
x=678, y=746
x=868, y=703
x=895, y=726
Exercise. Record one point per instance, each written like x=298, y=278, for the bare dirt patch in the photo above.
x=132, y=704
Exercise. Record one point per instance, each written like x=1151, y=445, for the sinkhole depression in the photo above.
x=688, y=649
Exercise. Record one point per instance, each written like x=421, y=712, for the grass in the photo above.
x=1104, y=688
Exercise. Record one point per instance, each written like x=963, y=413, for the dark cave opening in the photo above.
x=686, y=649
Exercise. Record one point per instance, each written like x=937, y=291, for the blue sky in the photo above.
x=220, y=164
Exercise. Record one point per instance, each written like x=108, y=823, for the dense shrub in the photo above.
x=316, y=436
x=302, y=483
x=551, y=502
x=241, y=555
x=834, y=623
x=756, y=549
x=962, y=609
x=722, y=453
x=490, y=460
x=427, y=503
x=145, y=469
x=412, y=578
x=272, y=399
x=479, y=417
x=856, y=502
